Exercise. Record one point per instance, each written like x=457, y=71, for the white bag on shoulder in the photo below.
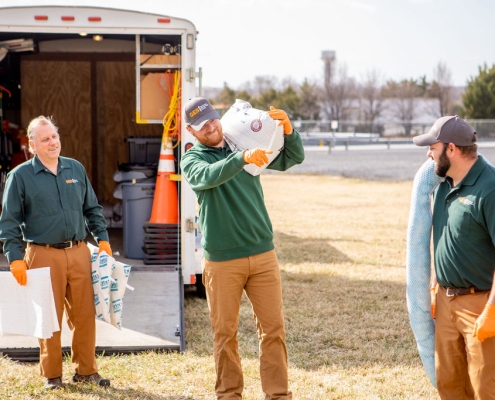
x=246, y=128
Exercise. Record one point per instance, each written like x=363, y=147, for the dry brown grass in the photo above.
x=341, y=245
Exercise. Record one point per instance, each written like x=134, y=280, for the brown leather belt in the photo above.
x=64, y=245
x=451, y=292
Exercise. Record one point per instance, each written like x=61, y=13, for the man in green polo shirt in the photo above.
x=48, y=203
x=238, y=250
x=463, y=302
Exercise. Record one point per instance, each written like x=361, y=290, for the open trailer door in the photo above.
x=89, y=67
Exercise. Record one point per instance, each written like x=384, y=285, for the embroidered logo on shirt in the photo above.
x=465, y=201
x=71, y=181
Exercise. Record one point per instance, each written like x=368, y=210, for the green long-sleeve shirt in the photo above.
x=41, y=207
x=232, y=216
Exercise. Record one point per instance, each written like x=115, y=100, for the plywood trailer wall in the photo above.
x=60, y=89
x=93, y=101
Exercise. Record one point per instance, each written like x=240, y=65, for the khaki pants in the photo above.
x=259, y=277
x=465, y=367
x=70, y=271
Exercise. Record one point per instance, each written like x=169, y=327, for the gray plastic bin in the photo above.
x=144, y=149
x=137, y=202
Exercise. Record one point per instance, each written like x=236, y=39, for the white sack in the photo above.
x=28, y=310
x=109, y=283
x=247, y=128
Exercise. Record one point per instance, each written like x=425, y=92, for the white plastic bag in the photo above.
x=28, y=310
x=109, y=283
x=247, y=128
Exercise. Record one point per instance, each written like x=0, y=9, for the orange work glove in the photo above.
x=18, y=269
x=283, y=117
x=256, y=156
x=484, y=327
x=105, y=246
x=433, y=297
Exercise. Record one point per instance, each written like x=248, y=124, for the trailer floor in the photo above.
x=151, y=320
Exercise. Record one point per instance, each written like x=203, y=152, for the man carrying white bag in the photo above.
x=238, y=250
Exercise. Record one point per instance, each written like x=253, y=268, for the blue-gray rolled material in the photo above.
x=418, y=265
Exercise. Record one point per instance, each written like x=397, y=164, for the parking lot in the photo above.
x=373, y=161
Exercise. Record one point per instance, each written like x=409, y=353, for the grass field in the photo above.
x=341, y=246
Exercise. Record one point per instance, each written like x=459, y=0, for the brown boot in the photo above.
x=94, y=378
x=53, y=383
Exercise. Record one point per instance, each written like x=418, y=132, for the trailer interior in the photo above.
x=89, y=85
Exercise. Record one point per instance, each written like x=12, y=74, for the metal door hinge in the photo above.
x=191, y=225
x=192, y=74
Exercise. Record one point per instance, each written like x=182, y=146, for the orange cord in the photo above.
x=172, y=119
x=5, y=90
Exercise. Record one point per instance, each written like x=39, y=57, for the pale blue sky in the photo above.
x=239, y=40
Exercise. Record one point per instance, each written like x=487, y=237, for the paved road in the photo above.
x=399, y=162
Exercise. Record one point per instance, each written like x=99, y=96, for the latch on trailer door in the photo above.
x=191, y=225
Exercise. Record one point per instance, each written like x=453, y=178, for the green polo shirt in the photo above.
x=41, y=207
x=464, y=229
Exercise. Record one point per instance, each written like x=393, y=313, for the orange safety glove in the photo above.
x=484, y=327
x=433, y=298
x=256, y=156
x=283, y=117
x=18, y=269
x=105, y=246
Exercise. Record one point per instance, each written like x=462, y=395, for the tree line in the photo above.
x=368, y=101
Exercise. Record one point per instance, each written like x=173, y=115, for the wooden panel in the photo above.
x=60, y=89
x=116, y=99
x=63, y=89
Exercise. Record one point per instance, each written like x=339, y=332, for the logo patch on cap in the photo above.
x=198, y=109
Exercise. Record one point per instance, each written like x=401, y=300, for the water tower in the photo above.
x=328, y=57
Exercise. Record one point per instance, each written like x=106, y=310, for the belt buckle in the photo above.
x=449, y=292
x=70, y=244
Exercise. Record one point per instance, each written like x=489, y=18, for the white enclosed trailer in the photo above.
x=85, y=66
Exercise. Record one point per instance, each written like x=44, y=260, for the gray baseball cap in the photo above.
x=449, y=129
x=198, y=111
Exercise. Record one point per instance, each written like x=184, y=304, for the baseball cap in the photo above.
x=449, y=129
x=198, y=111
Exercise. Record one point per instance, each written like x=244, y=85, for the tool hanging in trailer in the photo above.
x=5, y=144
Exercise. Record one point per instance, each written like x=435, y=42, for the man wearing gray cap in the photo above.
x=463, y=302
x=238, y=249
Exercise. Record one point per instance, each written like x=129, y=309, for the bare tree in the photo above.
x=309, y=108
x=264, y=83
x=405, y=96
x=288, y=81
x=337, y=96
x=441, y=89
x=371, y=98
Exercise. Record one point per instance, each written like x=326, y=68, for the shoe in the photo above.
x=94, y=378
x=53, y=383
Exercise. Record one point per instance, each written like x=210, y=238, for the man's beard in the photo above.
x=443, y=164
x=213, y=141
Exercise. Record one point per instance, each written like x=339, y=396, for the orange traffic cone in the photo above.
x=165, y=203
